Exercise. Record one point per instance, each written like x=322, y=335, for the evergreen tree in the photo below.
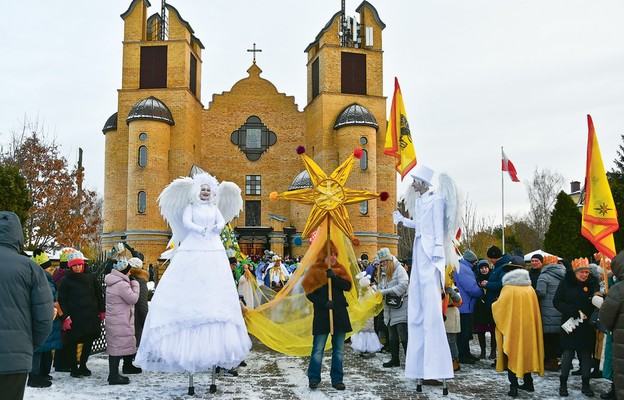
x=618, y=171
x=14, y=195
x=563, y=237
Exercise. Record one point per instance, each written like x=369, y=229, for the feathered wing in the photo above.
x=229, y=200
x=452, y=216
x=172, y=201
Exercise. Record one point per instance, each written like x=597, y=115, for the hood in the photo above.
x=617, y=266
x=517, y=277
x=115, y=277
x=556, y=270
x=11, y=234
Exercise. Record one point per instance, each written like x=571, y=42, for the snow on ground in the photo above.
x=270, y=375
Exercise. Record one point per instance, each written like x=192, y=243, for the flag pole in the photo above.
x=503, y=200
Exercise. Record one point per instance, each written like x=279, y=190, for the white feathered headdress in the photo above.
x=185, y=190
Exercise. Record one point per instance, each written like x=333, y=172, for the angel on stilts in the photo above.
x=195, y=321
x=435, y=217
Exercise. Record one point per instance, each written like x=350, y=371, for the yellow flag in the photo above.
x=599, y=212
x=398, y=137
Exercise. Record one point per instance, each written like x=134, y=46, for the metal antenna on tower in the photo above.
x=342, y=32
x=163, y=19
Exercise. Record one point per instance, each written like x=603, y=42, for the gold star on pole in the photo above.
x=328, y=197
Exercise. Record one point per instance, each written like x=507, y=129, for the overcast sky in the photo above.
x=475, y=76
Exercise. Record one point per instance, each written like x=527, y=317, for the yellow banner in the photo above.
x=599, y=212
x=398, y=136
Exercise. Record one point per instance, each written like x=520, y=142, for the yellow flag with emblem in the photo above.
x=599, y=212
x=398, y=142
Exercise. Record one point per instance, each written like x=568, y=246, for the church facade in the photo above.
x=247, y=135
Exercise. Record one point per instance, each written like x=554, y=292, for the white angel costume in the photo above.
x=428, y=355
x=195, y=321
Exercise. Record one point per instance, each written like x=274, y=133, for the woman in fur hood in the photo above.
x=315, y=285
x=518, y=328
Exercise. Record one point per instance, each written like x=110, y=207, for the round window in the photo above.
x=143, y=136
x=363, y=140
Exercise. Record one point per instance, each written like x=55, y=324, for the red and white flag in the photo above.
x=510, y=168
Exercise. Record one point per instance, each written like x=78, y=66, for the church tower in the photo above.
x=346, y=109
x=154, y=136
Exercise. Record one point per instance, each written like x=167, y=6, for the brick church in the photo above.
x=247, y=135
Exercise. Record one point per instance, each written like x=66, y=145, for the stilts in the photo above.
x=191, y=389
x=213, y=386
x=419, y=385
x=444, y=388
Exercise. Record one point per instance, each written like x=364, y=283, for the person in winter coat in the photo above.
x=547, y=283
x=573, y=299
x=39, y=376
x=61, y=359
x=537, y=262
x=470, y=293
x=484, y=322
x=27, y=308
x=612, y=317
x=141, y=307
x=518, y=328
x=82, y=303
x=122, y=293
x=392, y=280
x=316, y=288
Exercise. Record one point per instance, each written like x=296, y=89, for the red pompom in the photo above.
x=356, y=241
x=383, y=196
x=358, y=153
x=300, y=150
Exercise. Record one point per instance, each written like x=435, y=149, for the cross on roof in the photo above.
x=254, y=51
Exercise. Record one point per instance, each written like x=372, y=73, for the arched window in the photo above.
x=142, y=156
x=364, y=160
x=364, y=207
x=142, y=202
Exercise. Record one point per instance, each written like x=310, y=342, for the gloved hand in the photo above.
x=102, y=315
x=67, y=323
x=217, y=229
x=453, y=294
x=132, y=278
x=330, y=273
x=397, y=217
x=329, y=304
x=597, y=301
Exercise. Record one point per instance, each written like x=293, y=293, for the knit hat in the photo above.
x=515, y=263
x=64, y=253
x=580, y=264
x=384, y=254
x=470, y=256
x=494, y=252
x=75, y=258
x=483, y=263
x=122, y=265
x=538, y=257
x=43, y=260
x=135, y=262
x=117, y=249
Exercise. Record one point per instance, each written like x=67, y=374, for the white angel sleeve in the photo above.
x=452, y=216
x=229, y=200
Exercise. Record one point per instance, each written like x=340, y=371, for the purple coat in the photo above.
x=121, y=296
x=466, y=282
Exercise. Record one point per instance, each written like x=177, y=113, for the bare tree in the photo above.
x=406, y=236
x=474, y=223
x=542, y=191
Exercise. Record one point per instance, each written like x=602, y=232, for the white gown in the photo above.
x=194, y=320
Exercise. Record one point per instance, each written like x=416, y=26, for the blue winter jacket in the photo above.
x=495, y=283
x=469, y=290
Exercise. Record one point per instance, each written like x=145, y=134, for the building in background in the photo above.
x=247, y=135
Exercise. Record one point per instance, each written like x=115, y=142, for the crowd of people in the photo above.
x=539, y=317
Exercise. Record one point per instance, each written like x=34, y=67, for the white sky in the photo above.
x=475, y=75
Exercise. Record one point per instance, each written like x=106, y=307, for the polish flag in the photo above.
x=509, y=167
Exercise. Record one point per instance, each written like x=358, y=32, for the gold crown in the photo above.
x=580, y=262
x=551, y=260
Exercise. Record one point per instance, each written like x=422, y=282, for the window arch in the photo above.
x=364, y=160
x=364, y=208
x=142, y=202
x=142, y=156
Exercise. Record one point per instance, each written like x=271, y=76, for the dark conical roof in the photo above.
x=150, y=108
x=301, y=181
x=110, y=124
x=355, y=114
